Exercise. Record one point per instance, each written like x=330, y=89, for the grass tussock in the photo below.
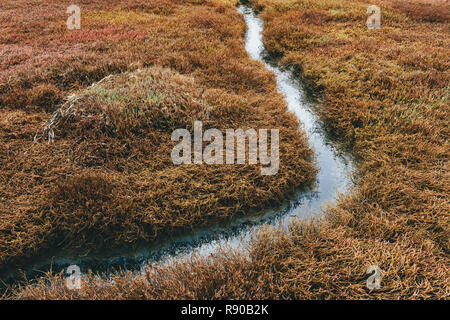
x=129, y=104
x=86, y=118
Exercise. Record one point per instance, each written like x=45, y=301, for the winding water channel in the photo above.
x=334, y=178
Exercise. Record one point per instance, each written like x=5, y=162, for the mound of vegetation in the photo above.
x=133, y=103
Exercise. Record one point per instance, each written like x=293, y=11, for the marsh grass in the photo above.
x=385, y=94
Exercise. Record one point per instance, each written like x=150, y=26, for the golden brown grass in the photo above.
x=385, y=94
x=107, y=180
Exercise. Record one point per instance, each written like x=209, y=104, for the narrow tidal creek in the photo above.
x=334, y=178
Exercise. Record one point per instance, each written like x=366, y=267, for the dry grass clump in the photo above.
x=106, y=179
x=130, y=103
